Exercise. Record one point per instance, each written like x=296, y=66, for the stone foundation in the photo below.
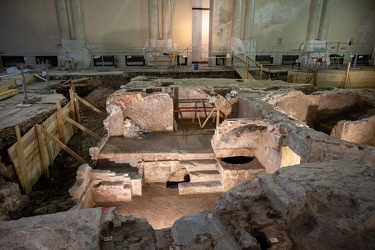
x=101, y=186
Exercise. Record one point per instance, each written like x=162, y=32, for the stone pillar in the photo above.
x=79, y=32
x=324, y=20
x=62, y=18
x=211, y=34
x=167, y=19
x=312, y=24
x=249, y=20
x=236, y=19
x=153, y=19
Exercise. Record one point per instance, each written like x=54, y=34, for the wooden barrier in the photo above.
x=334, y=78
x=32, y=154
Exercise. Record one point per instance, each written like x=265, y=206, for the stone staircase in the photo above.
x=204, y=177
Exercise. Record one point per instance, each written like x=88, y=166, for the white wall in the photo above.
x=28, y=26
x=120, y=25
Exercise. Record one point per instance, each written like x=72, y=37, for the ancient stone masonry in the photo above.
x=326, y=201
x=146, y=111
x=360, y=132
x=11, y=201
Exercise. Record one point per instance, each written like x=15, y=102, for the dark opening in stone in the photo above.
x=237, y=159
x=174, y=184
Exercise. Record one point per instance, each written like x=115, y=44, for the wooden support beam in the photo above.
x=37, y=76
x=60, y=121
x=208, y=117
x=71, y=121
x=42, y=152
x=73, y=109
x=89, y=105
x=20, y=157
x=79, y=80
x=49, y=151
x=76, y=105
x=347, y=80
x=62, y=145
x=66, y=82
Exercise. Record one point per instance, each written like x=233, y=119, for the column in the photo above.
x=167, y=19
x=62, y=19
x=153, y=19
x=79, y=33
x=236, y=19
x=324, y=20
x=312, y=24
x=249, y=20
x=211, y=34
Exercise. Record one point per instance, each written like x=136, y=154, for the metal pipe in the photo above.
x=313, y=20
x=62, y=19
x=324, y=20
x=79, y=33
x=236, y=19
x=153, y=19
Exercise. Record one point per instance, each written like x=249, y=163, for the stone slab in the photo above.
x=202, y=230
x=200, y=187
x=204, y=175
x=67, y=230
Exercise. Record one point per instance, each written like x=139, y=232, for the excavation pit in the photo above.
x=345, y=115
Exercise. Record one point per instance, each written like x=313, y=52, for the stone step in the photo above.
x=204, y=175
x=200, y=187
x=287, y=198
x=199, y=165
x=108, y=191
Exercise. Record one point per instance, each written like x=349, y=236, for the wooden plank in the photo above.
x=43, y=152
x=8, y=93
x=7, y=83
x=31, y=147
x=81, y=127
x=49, y=149
x=32, y=153
x=244, y=73
x=76, y=105
x=72, y=108
x=80, y=80
x=89, y=105
x=20, y=167
x=60, y=121
x=63, y=146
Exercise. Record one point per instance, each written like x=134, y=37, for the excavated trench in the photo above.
x=50, y=195
x=354, y=113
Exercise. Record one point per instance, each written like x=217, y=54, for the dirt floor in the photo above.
x=162, y=206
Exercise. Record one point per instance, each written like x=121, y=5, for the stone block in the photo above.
x=159, y=171
x=197, y=229
x=111, y=192
x=237, y=137
x=204, y=175
x=360, y=132
x=200, y=187
x=136, y=186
